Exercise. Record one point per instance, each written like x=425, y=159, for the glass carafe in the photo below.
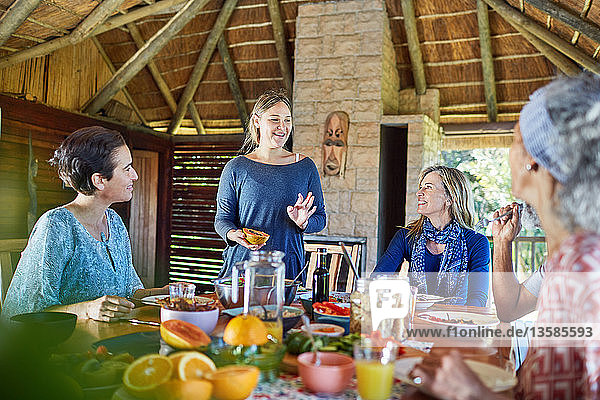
x=263, y=276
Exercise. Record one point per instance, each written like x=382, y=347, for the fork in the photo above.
x=484, y=222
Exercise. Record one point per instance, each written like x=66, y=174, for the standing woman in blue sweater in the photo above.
x=447, y=258
x=270, y=189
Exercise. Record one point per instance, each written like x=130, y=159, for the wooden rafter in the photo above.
x=144, y=55
x=201, y=64
x=280, y=44
x=554, y=10
x=112, y=70
x=565, y=47
x=160, y=82
x=14, y=17
x=96, y=18
x=487, y=61
x=414, y=48
x=232, y=78
x=111, y=23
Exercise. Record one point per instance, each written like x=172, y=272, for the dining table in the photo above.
x=289, y=385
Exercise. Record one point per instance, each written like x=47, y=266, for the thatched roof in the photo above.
x=447, y=33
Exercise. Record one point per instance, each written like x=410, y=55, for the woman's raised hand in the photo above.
x=109, y=308
x=301, y=211
x=237, y=236
x=507, y=228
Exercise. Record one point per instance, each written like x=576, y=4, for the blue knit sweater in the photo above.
x=255, y=195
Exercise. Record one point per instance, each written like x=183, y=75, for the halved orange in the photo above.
x=183, y=335
x=175, y=389
x=176, y=358
x=254, y=236
x=245, y=330
x=234, y=382
x=146, y=373
x=194, y=365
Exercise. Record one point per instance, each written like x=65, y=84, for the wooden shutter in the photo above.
x=196, y=249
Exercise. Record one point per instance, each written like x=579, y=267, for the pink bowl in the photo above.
x=332, y=376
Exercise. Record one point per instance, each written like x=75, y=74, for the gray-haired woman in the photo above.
x=555, y=167
x=270, y=189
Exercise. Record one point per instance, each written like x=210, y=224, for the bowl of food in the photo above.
x=334, y=297
x=330, y=330
x=204, y=313
x=224, y=292
x=333, y=313
x=291, y=315
x=46, y=328
x=333, y=375
x=254, y=236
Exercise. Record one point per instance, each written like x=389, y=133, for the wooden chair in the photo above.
x=339, y=278
x=7, y=266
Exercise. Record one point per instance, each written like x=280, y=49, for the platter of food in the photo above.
x=459, y=319
x=160, y=299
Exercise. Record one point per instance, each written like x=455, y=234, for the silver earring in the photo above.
x=528, y=167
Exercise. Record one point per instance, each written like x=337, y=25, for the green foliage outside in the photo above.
x=489, y=173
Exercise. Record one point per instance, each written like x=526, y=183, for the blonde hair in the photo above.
x=458, y=190
x=266, y=100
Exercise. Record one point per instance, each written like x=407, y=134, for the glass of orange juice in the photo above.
x=374, y=369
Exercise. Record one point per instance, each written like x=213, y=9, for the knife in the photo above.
x=140, y=322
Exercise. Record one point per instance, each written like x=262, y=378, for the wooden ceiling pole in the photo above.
x=201, y=64
x=280, y=44
x=232, y=78
x=577, y=55
x=112, y=69
x=14, y=17
x=414, y=49
x=111, y=23
x=160, y=82
x=487, y=61
x=554, y=10
x=144, y=55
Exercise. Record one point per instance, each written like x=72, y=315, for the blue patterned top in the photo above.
x=64, y=264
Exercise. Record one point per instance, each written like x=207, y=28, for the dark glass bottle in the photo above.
x=320, y=284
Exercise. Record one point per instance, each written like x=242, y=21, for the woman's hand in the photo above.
x=452, y=379
x=237, y=236
x=507, y=228
x=109, y=308
x=301, y=211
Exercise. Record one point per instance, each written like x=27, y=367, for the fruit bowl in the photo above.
x=254, y=236
x=46, y=328
x=223, y=291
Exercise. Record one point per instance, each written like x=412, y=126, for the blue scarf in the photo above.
x=455, y=260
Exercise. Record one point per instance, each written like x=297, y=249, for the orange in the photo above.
x=175, y=389
x=146, y=373
x=234, y=382
x=245, y=330
x=176, y=358
x=194, y=365
x=183, y=335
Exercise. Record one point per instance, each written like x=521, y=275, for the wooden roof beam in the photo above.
x=414, y=49
x=111, y=23
x=160, y=82
x=201, y=64
x=554, y=10
x=14, y=17
x=143, y=55
x=565, y=47
x=232, y=78
x=96, y=18
x=112, y=69
x=487, y=61
x=280, y=44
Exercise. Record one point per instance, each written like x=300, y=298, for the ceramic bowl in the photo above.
x=205, y=320
x=291, y=315
x=223, y=291
x=338, y=320
x=330, y=330
x=48, y=328
x=332, y=376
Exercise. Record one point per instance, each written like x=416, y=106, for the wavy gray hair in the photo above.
x=573, y=105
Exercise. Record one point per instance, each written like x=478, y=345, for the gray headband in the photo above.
x=539, y=133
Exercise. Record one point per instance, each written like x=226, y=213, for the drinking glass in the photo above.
x=181, y=290
x=374, y=369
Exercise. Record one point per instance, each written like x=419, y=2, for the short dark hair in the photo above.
x=85, y=152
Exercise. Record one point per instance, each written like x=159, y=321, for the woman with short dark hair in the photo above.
x=78, y=258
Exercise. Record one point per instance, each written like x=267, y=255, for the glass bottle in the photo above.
x=320, y=284
x=356, y=311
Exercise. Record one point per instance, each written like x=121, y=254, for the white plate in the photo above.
x=496, y=379
x=427, y=300
x=153, y=300
x=478, y=319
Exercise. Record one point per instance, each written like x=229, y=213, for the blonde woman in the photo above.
x=447, y=258
x=270, y=189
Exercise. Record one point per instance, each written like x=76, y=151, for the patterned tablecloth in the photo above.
x=290, y=387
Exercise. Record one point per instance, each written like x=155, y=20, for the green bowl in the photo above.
x=267, y=357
